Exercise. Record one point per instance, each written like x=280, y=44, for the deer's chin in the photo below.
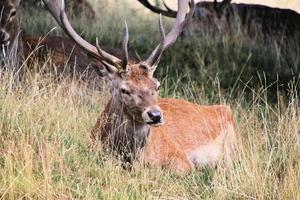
x=156, y=124
x=5, y=43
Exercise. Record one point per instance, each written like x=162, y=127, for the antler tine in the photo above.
x=110, y=65
x=161, y=28
x=155, y=56
x=57, y=9
x=167, y=13
x=167, y=41
x=125, y=47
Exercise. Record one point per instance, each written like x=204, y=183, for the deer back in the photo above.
x=66, y=57
x=192, y=137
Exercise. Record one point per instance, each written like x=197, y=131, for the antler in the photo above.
x=57, y=9
x=168, y=13
x=167, y=41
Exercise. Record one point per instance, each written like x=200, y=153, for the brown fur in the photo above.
x=187, y=127
x=64, y=52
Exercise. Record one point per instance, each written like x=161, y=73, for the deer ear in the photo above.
x=219, y=8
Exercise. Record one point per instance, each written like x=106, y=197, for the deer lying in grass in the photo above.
x=16, y=48
x=137, y=124
x=225, y=16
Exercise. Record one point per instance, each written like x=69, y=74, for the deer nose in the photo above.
x=155, y=116
x=4, y=37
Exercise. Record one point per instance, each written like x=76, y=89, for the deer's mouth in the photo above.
x=156, y=123
x=5, y=43
x=153, y=116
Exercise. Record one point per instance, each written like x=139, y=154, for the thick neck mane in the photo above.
x=120, y=132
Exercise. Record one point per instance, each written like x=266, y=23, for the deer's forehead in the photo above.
x=139, y=76
x=141, y=84
x=140, y=81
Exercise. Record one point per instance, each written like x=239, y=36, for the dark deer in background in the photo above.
x=136, y=124
x=220, y=17
x=16, y=48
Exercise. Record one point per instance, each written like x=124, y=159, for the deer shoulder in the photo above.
x=193, y=135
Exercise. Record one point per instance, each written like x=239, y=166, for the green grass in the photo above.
x=45, y=146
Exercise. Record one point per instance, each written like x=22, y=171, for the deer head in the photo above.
x=9, y=26
x=211, y=9
x=133, y=86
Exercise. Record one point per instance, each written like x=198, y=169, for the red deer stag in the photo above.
x=254, y=19
x=137, y=124
x=16, y=48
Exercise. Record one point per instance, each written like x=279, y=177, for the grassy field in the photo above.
x=45, y=148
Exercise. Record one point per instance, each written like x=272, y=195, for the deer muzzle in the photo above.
x=4, y=42
x=153, y=116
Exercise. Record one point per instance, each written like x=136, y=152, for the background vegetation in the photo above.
x=45, y=148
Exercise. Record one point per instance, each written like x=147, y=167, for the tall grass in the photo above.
x=45, y=146
x=45, y=151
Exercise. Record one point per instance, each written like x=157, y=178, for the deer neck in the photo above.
x=122, y=133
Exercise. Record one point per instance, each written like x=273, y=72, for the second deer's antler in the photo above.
x=179, y=25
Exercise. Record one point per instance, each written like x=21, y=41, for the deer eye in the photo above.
x=157, y=88
x=13, y=13
x=124, y=91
